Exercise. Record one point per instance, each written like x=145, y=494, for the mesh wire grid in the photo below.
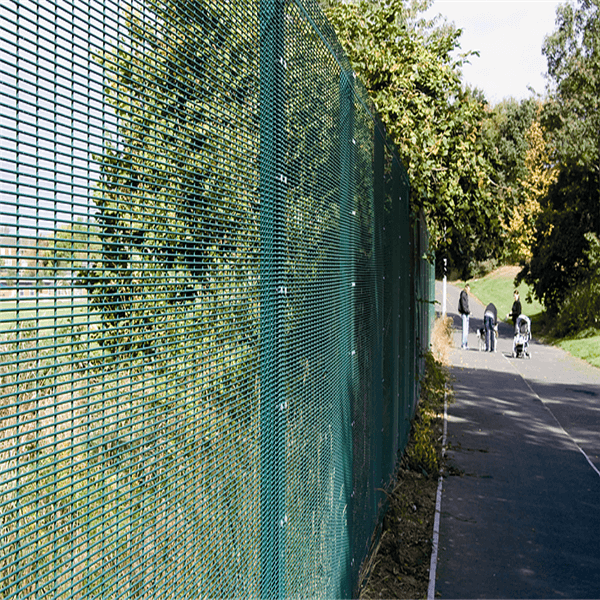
x=210, y=292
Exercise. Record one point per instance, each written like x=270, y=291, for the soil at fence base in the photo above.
x=399, y=567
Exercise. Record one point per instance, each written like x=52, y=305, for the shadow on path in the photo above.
x=520, y=502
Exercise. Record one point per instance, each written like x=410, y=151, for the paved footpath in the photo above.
x=520, y=513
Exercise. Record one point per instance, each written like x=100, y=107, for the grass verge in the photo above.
x=586, y=348
x=497, y=287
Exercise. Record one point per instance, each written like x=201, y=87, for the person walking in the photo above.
x=463, y=310
x=490, y=321
x=516, y=309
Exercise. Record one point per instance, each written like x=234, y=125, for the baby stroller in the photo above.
x=522, y=337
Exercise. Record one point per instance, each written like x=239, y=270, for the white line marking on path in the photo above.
x=554, y=417
x=438, y=510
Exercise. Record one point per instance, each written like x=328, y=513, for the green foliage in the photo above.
x=412, y=73
x=513, y=137
x=172, y=218
x=593, y=253
x=69, y=250
x=505, y=132
x=421, y=453
x=175, y=284
x=559, y=262
x=580, y=310
x=106, y=471
x=573, y=55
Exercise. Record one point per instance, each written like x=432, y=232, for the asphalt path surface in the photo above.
x=520, y=510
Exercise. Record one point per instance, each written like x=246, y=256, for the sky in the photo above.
x=509, y=35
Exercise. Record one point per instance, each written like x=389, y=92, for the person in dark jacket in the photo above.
x=490, y=320
x=516, y=309
x=463, y=310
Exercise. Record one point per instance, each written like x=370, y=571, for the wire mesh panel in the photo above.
x=207, y=302
x=130, y=416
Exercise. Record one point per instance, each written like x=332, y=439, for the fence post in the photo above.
x=377, y=407
x=401, y=196
x=347, y=338
x=396, y=310
x=272, y=296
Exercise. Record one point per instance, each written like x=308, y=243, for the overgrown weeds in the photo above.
x=423, y=450
x=422, y=453
x=400, y=563
x=441, y=340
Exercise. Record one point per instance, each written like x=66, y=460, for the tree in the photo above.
x=410, y=70
x=558, y=262
x=571, y=208
x=573, y=56
x=171, y=213
x=68, y=251
x=519, y=154
x=540, y=175
x=175, y=282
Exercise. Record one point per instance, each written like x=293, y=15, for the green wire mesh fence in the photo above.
x=213, y=302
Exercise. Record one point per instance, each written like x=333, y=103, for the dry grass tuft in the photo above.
x=441, y=339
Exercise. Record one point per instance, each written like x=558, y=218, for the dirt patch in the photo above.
x=506, y=271
x=399, y=565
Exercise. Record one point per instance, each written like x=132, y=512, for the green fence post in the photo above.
x=400, y=191
x=414, y=315
x=397, y=264
x=347, y=341
x=272, y=289
x=378, y=405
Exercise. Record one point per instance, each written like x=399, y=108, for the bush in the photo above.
x=421, y=454
x=482, y=268
x=580, y=310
